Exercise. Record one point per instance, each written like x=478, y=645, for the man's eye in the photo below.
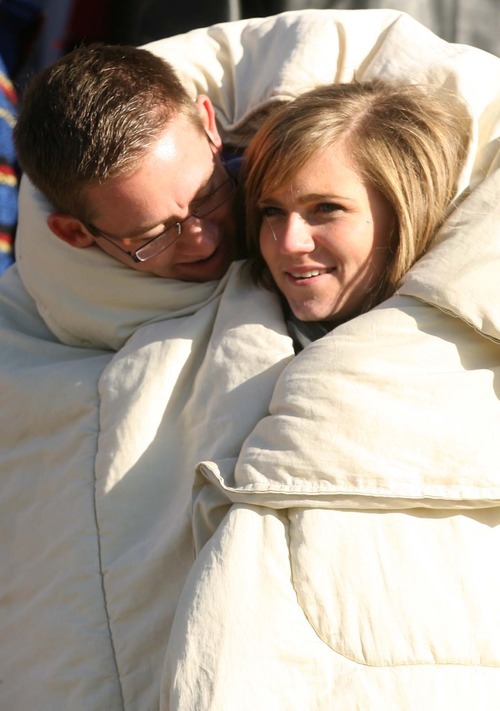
x=139, y=241
x=161, y=233
x=198, y=198
x=198, y=204
x=204, y=193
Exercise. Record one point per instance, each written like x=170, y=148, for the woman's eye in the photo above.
x=270, y=211
x=328, y=207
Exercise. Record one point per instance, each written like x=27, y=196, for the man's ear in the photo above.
x=207, y=113
x=70, y=230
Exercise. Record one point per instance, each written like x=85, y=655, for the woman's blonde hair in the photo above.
x=406, y=142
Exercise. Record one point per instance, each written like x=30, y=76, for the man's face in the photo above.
x=170, y=181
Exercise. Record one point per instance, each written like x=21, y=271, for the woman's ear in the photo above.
x=70, y=230
x=207, y=113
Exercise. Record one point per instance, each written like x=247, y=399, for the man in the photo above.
x=134, y=165
x=102, y=362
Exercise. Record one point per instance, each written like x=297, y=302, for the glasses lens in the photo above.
x=209, y=204
x=213, y=201
x=158, y=244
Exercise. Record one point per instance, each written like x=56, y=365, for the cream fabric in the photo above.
x=114, y=385
x=246, y=65
x=115, y=301
x=97, y=456
x=356, y=567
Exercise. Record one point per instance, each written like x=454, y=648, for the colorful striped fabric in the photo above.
x=8, y=170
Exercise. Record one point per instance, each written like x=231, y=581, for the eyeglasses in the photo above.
x=199, y=209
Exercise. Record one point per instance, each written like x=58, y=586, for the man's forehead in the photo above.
x=167, y=147
x=182, y=135
x=169, y=176
x=187, y=150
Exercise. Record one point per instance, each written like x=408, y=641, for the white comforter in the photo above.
x=97, y=458
x=112, y=391
x=356, y=567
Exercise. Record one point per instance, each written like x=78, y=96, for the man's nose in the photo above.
x=295, y=236
x=198, y=228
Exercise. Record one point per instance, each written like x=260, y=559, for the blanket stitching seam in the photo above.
x=103, y=588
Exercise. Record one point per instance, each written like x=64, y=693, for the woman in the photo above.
x=354, y=188
x=356, y=567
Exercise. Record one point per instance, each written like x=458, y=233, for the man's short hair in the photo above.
x=91, y=115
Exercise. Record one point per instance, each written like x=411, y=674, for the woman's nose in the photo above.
x=296, y=236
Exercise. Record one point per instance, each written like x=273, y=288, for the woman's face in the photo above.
x=326, y=238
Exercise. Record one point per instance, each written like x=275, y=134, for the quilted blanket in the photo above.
x=115, y=384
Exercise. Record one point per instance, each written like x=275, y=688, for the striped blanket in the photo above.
x=8, y=171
